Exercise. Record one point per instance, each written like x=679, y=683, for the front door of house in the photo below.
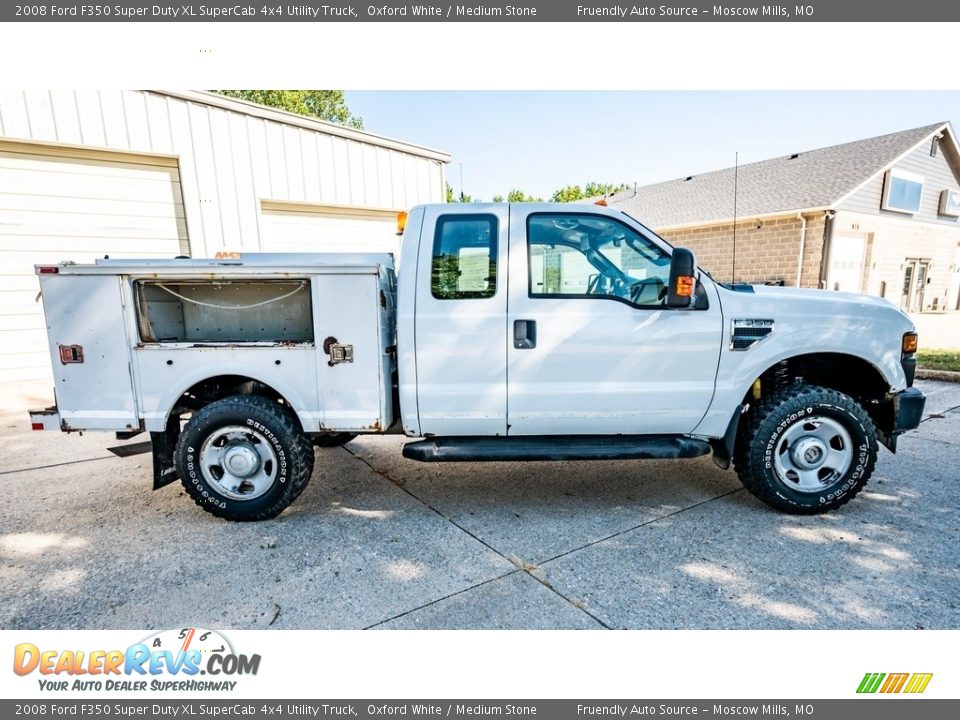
x=915, y=274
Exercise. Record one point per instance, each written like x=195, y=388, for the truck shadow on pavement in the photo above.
x=378, y=541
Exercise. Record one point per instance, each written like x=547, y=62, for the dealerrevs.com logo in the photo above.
x=891, y=683
x=170, y=660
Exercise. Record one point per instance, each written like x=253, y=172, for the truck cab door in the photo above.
x=594, y=348
x=460, y=321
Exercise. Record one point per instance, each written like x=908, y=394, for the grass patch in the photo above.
x=939, y=359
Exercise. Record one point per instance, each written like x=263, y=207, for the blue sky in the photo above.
x=539, y=141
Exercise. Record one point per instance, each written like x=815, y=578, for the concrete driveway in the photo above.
x=377, y=541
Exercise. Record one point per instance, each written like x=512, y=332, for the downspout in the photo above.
x=827, y=241
x=803, y=243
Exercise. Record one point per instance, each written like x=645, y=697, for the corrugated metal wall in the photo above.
x=67, y=194
x=229, y=160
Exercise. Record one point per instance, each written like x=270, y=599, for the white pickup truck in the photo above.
x=511, y=332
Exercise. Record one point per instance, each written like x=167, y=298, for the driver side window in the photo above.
x=587, y=255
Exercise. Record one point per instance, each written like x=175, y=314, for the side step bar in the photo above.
x=566, y=447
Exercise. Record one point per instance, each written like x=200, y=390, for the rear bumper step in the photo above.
x=575, y=447
x=47, y=419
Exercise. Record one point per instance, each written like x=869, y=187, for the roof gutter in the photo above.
x=726, y=221
x=302, y=121
x=803, y=243
x=827, y=242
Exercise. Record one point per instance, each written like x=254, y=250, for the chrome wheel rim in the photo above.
x=238, y=462
x=813, y=454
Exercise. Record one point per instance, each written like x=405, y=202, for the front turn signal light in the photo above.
x=401, y=222
x=909, y=344
x=685, y=285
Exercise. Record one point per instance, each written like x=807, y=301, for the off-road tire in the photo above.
x=334, y=439
x=764, y=426
x=278, y=425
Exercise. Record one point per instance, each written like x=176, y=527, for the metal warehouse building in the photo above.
x=85, y=174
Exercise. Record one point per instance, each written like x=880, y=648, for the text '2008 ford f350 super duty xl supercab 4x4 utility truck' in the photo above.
x=511, y=332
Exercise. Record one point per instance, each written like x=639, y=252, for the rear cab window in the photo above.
x=464, y=264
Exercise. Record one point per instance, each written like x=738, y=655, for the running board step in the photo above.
x=566, y=447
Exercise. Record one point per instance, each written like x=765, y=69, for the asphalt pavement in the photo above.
x=377, y=541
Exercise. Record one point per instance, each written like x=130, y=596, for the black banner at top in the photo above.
x=330, y=11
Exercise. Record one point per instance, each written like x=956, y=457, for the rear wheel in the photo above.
x=806, y=449
x=244, y=458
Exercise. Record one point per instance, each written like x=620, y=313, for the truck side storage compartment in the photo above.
x=90, y=351
x=354, y=331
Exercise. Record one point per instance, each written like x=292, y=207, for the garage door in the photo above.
x=302, y=227
x=73, y=204
x=845, y=269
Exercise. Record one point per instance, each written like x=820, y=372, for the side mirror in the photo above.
x=683, y=279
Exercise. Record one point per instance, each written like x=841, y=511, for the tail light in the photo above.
x=70, y=354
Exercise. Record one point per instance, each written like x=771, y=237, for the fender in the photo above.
x=156, y=419
x=723, y=446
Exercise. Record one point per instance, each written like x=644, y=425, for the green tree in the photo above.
x=593, y=189
x=497, y=198
x=329, y=105
x=570, y=193
x=452, y=197
x=519, y=196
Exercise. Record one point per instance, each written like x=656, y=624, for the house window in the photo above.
x=464, y=258
x=950, y=203
x=902, y=191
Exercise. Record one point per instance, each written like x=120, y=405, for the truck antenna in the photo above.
x=736, y=172
x=462, y=196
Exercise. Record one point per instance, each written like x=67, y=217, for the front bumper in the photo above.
x=906, y=408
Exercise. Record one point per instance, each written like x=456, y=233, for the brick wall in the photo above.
x=767, y=249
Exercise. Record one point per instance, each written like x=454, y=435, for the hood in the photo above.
x=830, y=297
x=805, y=321
x=857, y=318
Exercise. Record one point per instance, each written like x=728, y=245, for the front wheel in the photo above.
x=806, y=449
x=244, y=458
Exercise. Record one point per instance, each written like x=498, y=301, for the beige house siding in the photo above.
x=767, y=248
x=890, y=241
x=938, y=175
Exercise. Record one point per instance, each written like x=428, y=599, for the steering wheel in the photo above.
x=648, y=292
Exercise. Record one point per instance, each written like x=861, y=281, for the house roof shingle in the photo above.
x=811, y=179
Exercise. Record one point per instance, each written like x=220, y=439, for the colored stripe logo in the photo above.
x=913, y=683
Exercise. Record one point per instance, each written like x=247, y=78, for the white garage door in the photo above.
x=294, y=227
x=845, y=269
x=72, y=204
